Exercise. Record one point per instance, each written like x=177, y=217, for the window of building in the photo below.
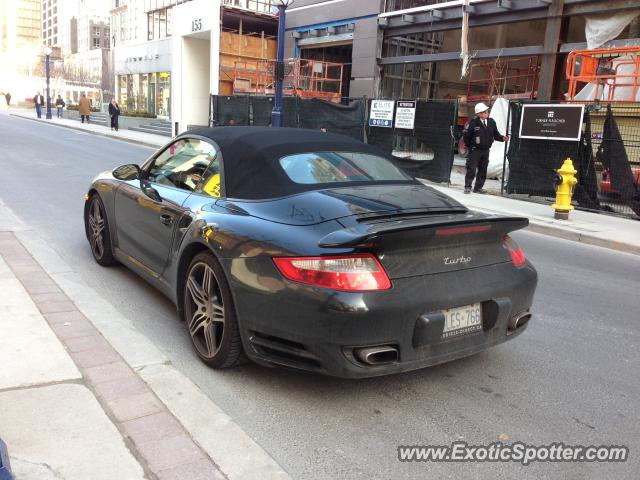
x=149, y=26
x=96, y=43
x=55, y=40
x=96, y=31
x=163, y=23
x=159, y=24
x=123, y=26
x=156, y=25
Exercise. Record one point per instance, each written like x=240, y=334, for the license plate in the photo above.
x=462, y=320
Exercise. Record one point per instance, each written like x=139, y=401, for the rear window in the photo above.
x=340, y=167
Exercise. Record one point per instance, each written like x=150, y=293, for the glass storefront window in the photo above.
x=132, y=92
x=164, y=94
x=143, y=93
x=151, y=106
x=146, y=92
x=122, y=91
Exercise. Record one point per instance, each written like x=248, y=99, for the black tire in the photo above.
x=209, y=313
x=97, y=227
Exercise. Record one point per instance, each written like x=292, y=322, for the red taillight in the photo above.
x=517, y=256
x=352, y=273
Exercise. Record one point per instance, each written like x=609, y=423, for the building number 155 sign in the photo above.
x=196, y=25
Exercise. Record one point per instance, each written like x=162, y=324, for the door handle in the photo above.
x=166, y=219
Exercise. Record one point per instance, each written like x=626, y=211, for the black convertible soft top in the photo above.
x=251, y=155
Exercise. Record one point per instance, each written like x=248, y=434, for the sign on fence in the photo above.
x=405, y=115
x=551, y=122
x=381, y=113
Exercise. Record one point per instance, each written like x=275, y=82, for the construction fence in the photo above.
x=426, y=151
x=607, y=156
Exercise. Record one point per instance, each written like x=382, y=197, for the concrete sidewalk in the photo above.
x=70, y=407
x=607, y=231
x=84, y=395
x=603, y=230
x=139, y=138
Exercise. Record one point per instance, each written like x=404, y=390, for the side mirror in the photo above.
x=127, y=172
x=150, y=192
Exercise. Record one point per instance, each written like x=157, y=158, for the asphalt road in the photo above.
x=573, y=377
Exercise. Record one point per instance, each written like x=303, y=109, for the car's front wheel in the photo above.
x=209, y=313
x=97, y=227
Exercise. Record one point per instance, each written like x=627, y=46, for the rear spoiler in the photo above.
x=471, y=221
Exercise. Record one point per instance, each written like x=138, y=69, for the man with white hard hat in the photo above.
x=479, y=135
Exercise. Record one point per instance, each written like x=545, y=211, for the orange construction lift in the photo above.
x=614, y=72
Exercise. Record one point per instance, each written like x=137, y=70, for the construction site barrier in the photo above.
x=607, y=158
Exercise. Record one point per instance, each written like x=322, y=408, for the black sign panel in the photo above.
x=551, y=122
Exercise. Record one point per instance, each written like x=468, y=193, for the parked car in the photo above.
x=310, y=250
x=607, y=190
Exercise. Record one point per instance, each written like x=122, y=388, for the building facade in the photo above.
x=50, y=22
x=412, y=48
x=142, y=31
x=340, y=31
x=210, y=39
x=157, y=41
x=21, y=60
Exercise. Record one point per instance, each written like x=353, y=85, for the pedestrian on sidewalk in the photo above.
x=7, y=96
x=114, y=113
x=60, y=105
x=84, y=108
x=38, y=101
x=479, y=135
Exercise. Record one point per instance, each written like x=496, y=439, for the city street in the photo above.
x=572, y=377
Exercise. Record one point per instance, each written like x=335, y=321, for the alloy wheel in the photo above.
x=96, y=225
x=205, y=315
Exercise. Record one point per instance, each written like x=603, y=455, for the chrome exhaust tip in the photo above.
x=518, y=321
x=379, y=355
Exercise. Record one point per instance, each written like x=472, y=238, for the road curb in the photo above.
x=537, y=227
x=99, y=134
x=233, y=451
x=543, y=228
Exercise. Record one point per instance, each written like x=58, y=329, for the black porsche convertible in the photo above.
x=310, y=250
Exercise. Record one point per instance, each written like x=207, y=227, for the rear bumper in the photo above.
x=319, y=330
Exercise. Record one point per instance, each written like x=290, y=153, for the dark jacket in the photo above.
x=479, y=137
x=59, y=102
x=38, y=100
x=113, y=110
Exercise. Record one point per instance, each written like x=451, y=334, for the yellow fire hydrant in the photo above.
x=565, y=182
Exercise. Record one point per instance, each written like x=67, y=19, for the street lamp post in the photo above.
x=47, y=56
x=276, y=113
